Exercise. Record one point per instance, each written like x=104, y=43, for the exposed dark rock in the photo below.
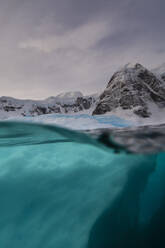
x=74, y=104
x=85, y=102
x=134, y=88
x=9, y=108
x=142, y=112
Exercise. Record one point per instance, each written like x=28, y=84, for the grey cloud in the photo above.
x=74, y=60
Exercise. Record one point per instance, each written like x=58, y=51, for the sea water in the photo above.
x=63, y=189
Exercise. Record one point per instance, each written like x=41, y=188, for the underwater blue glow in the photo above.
x=59, y=188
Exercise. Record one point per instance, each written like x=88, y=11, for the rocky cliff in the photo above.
x=132, y=88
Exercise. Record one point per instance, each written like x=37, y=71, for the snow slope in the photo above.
x=70, y=102
x=117, y=119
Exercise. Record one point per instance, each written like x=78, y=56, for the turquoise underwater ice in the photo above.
x=60, y=188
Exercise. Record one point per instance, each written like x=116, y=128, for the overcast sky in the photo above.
x=51, y=46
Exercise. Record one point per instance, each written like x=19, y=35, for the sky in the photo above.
x=53, y=46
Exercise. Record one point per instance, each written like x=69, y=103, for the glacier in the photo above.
x=61, y=188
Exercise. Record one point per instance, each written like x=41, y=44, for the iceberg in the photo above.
x=61, y=188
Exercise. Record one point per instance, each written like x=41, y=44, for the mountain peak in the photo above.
x=133, y=66
x=132, y=88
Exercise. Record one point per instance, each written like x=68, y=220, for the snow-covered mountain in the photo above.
x=70, y=102
x=133, y=88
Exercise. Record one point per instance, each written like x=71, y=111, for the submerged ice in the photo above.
x=59, y=188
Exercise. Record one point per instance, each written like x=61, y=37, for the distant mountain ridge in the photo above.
x=70, y=102
x=132, y=88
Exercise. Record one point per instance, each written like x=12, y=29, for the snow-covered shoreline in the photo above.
x=84, y=121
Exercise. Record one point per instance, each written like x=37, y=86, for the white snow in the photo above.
x=83, y=120
x=65, y=98
x=55, y=104
x=117, y=118
x=78, y=121
x=157, y=117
